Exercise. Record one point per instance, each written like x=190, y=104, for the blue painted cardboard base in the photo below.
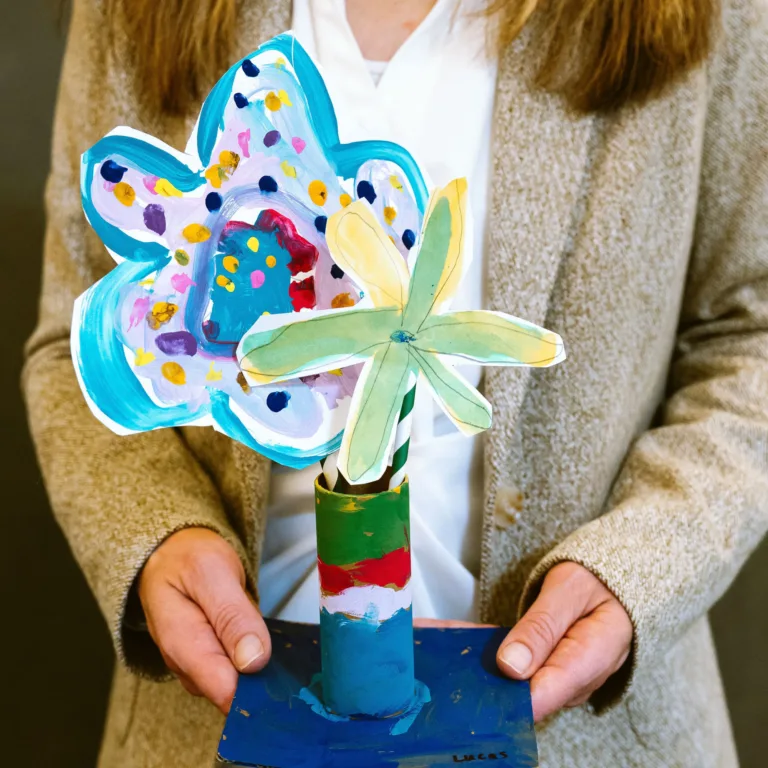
x=474, y=714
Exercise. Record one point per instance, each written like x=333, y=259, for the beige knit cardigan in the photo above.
x=642, y=238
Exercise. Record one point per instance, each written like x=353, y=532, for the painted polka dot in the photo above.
x=182, y=257
x=318, y=193
x=174, y=373
x=272, y=101
x=337, y=272
x=267, y=184
x=277, y=401
x=230, y=263
x=321, y=222
x=409, y=238
x=271, y=138
x=196, y=233
x=112, y=172
x=213, y=201
x=253, y=244
x=125, y=193
x=342, y=300
x=224, y=282
x=250, y=69
x=365, y=191
x=345, y=199
x=154, y=218
x=271, y=261
x=257, y=278
x=390, y=214
x=240, y=101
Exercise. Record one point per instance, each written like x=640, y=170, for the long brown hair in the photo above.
x=599, y=54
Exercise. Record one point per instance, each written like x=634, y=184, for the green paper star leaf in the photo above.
x=408, y=331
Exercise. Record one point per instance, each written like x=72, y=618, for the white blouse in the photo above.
x=435, y=97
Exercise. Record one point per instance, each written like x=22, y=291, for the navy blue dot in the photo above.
x=320, y=223
x=267, y=184
x=250, y=68
x=366, y=191
x=337, y=272
x=111, y=171
x=213, y=201
x=409, y=238
x=276, y=401
x=240, y=100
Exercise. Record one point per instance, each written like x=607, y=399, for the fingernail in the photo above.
x=517, y=656
x=248, y=649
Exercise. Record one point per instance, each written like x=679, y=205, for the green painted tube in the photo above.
x=366, y=618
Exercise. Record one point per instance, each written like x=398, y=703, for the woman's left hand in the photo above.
x=571, y=640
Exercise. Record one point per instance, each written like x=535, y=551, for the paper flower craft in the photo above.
x=210, y=240
x=406, y=332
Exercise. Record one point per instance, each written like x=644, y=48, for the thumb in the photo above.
x=560, y=603
x=235, y=618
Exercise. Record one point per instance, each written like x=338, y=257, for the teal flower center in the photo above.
x=402, y=337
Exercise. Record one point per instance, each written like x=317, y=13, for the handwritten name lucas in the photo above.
x=481, y=756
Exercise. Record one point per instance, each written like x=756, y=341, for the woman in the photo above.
x=618, y=161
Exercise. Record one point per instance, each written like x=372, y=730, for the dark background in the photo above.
x=56, y=653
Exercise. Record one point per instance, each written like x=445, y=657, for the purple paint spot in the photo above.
x=257, y=278
x=150, y=182
x=298, y=144
x=110, y=186
x=154, y=218
x=139, y=311
x=271, y=138
x=181, y=282
x=243, y=139
x=177, y=343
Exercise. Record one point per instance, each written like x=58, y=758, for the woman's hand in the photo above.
x=192, y=589
x=572, y=639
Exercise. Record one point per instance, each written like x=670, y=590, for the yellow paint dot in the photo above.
x=395, y=182
x=125, y=193
x=284, y=98
x=182, y=257
x=230, y=263
x=166, y=189
x=318, y=193
x=196, y=233
x=280, y=62
x=253, y=244
x=229, y=159
x=339, y=372
x=215, y=176
x=265, y=312
x=272, y=101
x=288, y=169
x=342, y=300
x=213, y=374
x=161, y=313
x=390, y=214
x=224, y=282
x=271, y=261
x=174, y=373
x=345, y=199
x=142, y=357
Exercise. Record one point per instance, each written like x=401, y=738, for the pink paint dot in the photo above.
x=298, y=144
x=149, y=183
x=257, y=278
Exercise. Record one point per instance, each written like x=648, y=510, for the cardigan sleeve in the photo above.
x=108, y=493
x=691, y=501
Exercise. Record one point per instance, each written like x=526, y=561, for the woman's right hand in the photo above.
x=206, y=625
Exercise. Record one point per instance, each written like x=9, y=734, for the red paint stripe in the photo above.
x=392, y=570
